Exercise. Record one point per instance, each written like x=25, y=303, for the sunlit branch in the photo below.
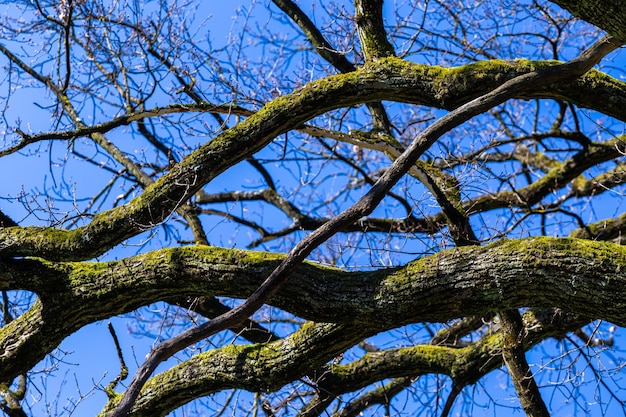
x=110, y=389
x=513, y=355
x=464, y=366
x=447, y=260
x=372, y=34
x=331, y=55
x=611, y=229
x=316, y=292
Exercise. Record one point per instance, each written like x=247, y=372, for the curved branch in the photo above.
x=607, y=229
x=363, y=207
x=381, y=395
x=578, y=275
x=268, y=366
x=312, y=33
x=258, y=367
x=336, y=59
x=390, y=79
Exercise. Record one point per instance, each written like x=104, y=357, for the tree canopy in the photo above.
x=315, y=208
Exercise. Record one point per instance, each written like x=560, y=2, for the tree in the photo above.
x=429, y=192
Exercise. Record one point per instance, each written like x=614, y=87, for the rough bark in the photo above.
x=544, y=276
x=514, y=356
x=576, y=275
x=267, y=366
x=609, y=15
x=387, y=79
x=372, y=34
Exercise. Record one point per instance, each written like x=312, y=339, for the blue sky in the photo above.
x=88, y=357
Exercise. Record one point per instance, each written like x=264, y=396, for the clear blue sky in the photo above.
x=88, y=357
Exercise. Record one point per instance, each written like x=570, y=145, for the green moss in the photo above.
x=536, y=249
x=389, y=78
x=552, y=250
x=471, y=361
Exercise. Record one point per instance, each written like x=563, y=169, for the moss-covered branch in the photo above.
x=259, y=367
x=608, y=229
x=464, y=365
x=514, y=356
x=577, y=275
x=387, y=79
x=609, y=15
x=268, y=366
x=369, y=22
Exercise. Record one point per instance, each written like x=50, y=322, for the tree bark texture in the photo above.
x=388, y=79
x=575, y=275
x=609, y=15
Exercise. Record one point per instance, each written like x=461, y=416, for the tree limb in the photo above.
x=391, y=79
x=605, y=14
x=514, y=356
x=364, y=206
x=578, y=275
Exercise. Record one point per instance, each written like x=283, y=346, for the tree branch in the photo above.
x=513, y=355
x=391, y=79
x=605, y=14
x=372, y=34
x=266, y=366
x=330, y=54
x=578, y=275
x=364, y=206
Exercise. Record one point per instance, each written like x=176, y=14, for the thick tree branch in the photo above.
x=609, y=15
x=267, y=366
x=372, y=34
x=364, y=206
x=611, y=229
x=390, y=79
x=259, y=367
x=578, y=275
